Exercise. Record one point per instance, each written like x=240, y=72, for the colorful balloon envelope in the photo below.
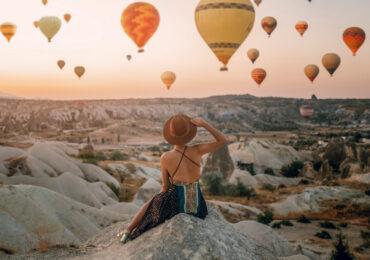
x=354, y=37
x=311, y=71
x=253, y=54
x=306, y=111
x=67, y=17
x=36, y=24
x=269, y=25
x=258, y=75
x=168, y=78
x=45, y=2
x=224, y=25
x=8, y=30
x=80, y=71
x=50, y=26
x=140, y=21
x=331, y=62
x=128, y=57
x=258, y=2
x=61, y=64
x=301, y=27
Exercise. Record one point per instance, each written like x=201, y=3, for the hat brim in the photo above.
x=179, y=140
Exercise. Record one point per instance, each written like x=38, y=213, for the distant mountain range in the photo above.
x=4, y=95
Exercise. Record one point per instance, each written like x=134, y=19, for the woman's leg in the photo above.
x=138, y=217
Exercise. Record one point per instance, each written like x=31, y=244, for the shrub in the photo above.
x=117, y=156
x=287, y=223
x=323, y=234
x=91, y=161
x=341, y=250
x=269, y=171
x=367, y=192
x=216, y=187
x=246, y=167
x=303, y=219
x=214, y=184
x=266, y=217
x=317, y=165
x=276, y=225
x=268, y=186
x=131, y=167
x=327, y=225
x=292, y=170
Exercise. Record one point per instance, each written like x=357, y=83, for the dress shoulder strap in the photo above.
x=187, y=157
x=178, y=166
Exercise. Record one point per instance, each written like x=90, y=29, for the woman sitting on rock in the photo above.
x=180, y=169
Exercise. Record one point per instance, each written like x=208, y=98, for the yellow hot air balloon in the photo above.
x=61, y=64
x=354, y=37
x=140, y=21
x=8, y=30
x=67, y=17
x=301, y=27
x=168, y=78
x=269, y=24
x=253, y=54
x=331, y=62
x=259, y=75
x=80, y=71
x=45, y=2
x=258, y=2
x=50, y=26
x=224, y=25
x=311, y=71
x=36, y=24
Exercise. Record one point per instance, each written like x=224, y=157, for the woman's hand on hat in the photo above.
x=198, y=121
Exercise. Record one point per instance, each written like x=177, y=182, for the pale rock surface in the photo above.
x=219, y=162
x=9, y=152
x=312, y=199
x=147, y=191
x=295, y=257
x=128, y=208
x=93, y=173
x=362, y=178
x=30, y=215
x=236, y=210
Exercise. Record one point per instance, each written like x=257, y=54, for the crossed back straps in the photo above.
x=182, y=157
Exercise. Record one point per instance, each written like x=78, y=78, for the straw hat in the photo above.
x=179, y=130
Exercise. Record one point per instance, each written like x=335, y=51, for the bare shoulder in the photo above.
x=164, y=156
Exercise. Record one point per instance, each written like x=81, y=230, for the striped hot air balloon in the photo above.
x=140, y=21
x=168, y=78
x=8, y=30
x=354, y=37
x=224, y=25
x=258, y=75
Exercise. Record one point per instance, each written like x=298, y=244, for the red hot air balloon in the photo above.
x=258, y=75
x=354, y=37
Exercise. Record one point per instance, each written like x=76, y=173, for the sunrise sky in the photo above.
x=94, y=38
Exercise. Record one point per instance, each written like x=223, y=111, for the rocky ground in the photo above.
x=62, y=200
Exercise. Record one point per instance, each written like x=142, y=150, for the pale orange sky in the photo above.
x=94, y=38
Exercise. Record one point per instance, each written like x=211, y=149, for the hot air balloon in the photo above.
x=128, y=57
x=45, y=2
x=36, y=24
x=61, y=64
x=259, y=75
x=253, y=54
x=269, y=24
x=49, y=26
x=331, y=62
x=354, y=37
x=140, y=21
x=258, y=2
x=79, y=70
x=301, y=27
x=306, y=111
x=67, y=17
x=224, y=25
x=311, y=71
x=8, y=30
x=168, y=78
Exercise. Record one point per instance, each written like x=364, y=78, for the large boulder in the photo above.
x=147, y=191
x=32, y=217
x=234, y=212
x=128, y=208
x=318, y=199
x=93, y=173
x=219, y=162
x=266, y=236
x=182, y=237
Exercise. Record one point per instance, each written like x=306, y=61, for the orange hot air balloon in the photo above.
x=259, y=75
x=45, y=2
x=168, y=78
x=140, y=21
x=301, y=27
x=67, y=17
x=269, y=24
x=253, y=54
x=8, y=30
x=311, y=71
x=331, y=62
x=354, y=37
x=258, y=2
x=80, y=71
x=61, y=64
x=306, y=111
x=36, y=24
